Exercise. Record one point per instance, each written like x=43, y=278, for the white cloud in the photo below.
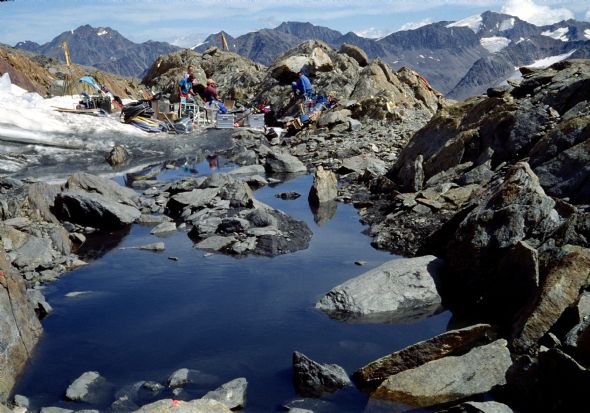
x=537, y=14
x=416, y=25
x=372, y=33
x=587, y=17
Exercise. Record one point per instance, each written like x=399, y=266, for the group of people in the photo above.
x=187, y=88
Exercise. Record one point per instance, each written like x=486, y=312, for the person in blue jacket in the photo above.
x=302, y=86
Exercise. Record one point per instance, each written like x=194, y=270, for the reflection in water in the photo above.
x=213, y=161
x=324, y=212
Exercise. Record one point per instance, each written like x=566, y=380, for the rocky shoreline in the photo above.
x=488, y=199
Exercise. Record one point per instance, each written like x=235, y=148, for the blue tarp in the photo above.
x=90, y=80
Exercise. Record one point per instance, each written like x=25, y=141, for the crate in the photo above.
x=225, y=120
x=256, y=121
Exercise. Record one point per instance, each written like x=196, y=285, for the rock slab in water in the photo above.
x=312, y=379
x=232, y=394
x=369, y=377
x=179, y=406
x=80, y=389
x=450, y=378
x=398, y=290
x=324, y=187
x=94, y=210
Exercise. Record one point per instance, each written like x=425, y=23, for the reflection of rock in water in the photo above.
x=101, y=242
x=407, y=316
x=324, y=212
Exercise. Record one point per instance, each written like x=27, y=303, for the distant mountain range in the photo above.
x=460, y=59
x=103, y=48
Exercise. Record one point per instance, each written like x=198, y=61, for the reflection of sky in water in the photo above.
x=146, y=316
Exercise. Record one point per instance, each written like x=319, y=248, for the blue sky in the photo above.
x=185, y=22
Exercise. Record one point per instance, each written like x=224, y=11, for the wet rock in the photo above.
x=232, y=394
x=96, y=210
x=215, y=243
x=393, y=292
x=55, y=410
x=249, y=170
x=193, y=406
x=153, y=219
x=478, y=407
x=117, y=155
x=450, y=378
x=323, y=188
x=163, y=228
x=313, y=379
x=106, y=187
x=157, y=246
x=193, y=199
x=453, y=342
x=85, y=386
x=288, y=195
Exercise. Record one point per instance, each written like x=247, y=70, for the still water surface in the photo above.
x=143, y=315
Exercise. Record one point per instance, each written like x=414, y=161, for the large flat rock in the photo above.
x=450, y=378
x=396, y=291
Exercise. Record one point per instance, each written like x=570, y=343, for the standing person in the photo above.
x=302, y=86
x=189, y=72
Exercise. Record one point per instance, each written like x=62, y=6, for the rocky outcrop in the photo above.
x=397, y=291
x=20, y=329
x=236, y=77
x=375, y=89
x=542, y=119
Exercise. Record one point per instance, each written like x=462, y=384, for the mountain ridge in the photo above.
x=460, y=58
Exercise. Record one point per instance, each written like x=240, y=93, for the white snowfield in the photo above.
x=494, y=44
x=26, y=117
x=558, y=34
x=548, y=61
x=473, y=22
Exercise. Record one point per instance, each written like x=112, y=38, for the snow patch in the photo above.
x=506, y=24
x=473, y=22
x=587, y=33
x=29, y=118
x=101, y=32
x=494, y=44
x=548, y=61
x=558, y=34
